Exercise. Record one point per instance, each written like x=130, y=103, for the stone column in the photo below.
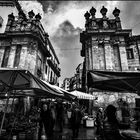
x=87, y=57
x=90, y=56
x=123, y=57
x=23, y=57
x=108, y=56
x=2, y=49
x=95, y=55
x=11, y=56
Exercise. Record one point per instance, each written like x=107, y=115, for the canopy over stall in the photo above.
x=24, y=83
x=17, y=82
x=82, y=95
x=67, y=95
x=114, y=81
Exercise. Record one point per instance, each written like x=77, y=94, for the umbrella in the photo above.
x=23, y=80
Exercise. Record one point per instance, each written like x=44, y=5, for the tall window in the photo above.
x=46, y=69
x=130, y=53
x=117, y=60
x=17, y=56
x=101, y=50
x=51, y=77
x=39, y=63
x=5, y=57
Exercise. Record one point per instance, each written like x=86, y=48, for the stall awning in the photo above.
x=82, y=95
x=67, y=95
x=25, y=83
x=114, y=81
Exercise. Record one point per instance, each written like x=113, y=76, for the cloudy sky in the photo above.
x=64, y=20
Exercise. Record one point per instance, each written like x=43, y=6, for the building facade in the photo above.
x=24, y=44
x=75, y=82
x=107, y=46
x=66, y=84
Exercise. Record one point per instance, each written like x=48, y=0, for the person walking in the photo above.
x=99, y=121
x=60, y=115
x=46, y=120
x=76, y=117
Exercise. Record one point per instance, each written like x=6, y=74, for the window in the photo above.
x=130, y=54
x=39, y=63
x=17, y=56
x=39, y=66
x=5, y=57
x=51, y=77
x=46, y=69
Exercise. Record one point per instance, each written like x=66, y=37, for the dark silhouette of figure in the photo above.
x=76, y=117
x=60, y=115
x=111, y=125
x=99, y=120
x=46, y=120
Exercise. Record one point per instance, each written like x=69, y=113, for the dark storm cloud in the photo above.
x=67, y=37
x=66, y=29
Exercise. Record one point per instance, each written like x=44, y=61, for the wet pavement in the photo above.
x=84, y=134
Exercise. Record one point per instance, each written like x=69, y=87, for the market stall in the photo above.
x=84, y=98
x=122, y=82
x=82, y=95
x=21, y=88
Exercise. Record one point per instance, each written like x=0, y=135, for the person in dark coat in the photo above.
x=76, y=117
x=60, y=115
x=46, y=120
x=99, y=120
x=111, y=125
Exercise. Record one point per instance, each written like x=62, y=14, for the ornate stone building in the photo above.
x=24, y=44
x=106, y=46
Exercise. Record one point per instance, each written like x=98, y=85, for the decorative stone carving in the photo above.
x=92, y=12
x=116, y=13
x=103, y=11
x=31, y=14
x=87, y=15
x=38, y=17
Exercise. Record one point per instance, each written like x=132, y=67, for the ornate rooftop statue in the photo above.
x=103, y=11
x=92, y=12
x=87, y=15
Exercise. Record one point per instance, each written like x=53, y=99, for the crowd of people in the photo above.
x=53, y=117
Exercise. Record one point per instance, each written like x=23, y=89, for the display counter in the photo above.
x=88, y=122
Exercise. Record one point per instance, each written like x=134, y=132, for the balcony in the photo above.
x=54, y=67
